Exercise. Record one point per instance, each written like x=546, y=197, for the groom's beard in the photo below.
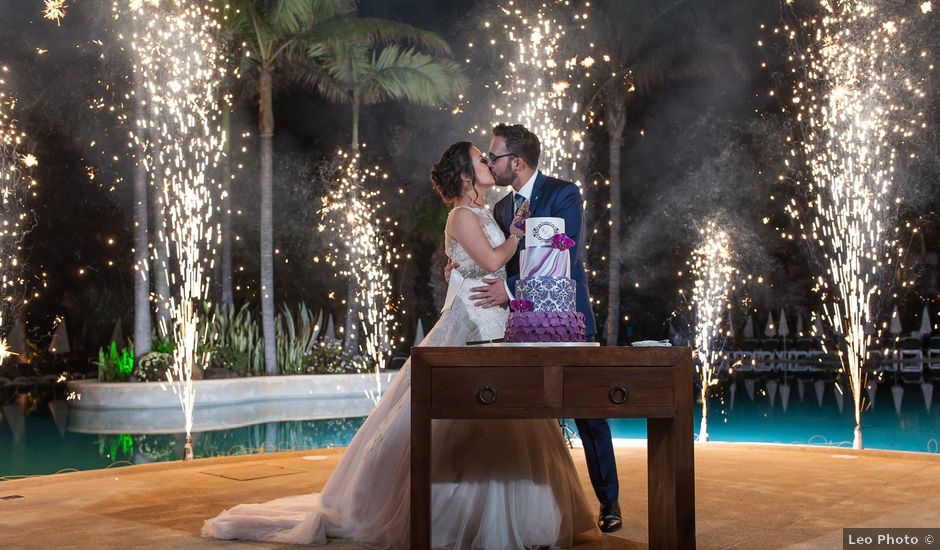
x=504, y=179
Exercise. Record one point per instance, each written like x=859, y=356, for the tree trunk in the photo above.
x=161, y=253
x=143, y=332
x=227, y=298
x=266, y=127
x=351, y=331
x=355, y=123
x=616, y=114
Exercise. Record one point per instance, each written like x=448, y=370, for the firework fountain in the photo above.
x=178, y=65
x=710, y=266
x=855, y=101
x=351, y=209
x=542, y=80
x=14, y=185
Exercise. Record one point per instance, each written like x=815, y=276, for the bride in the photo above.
x=496, y=484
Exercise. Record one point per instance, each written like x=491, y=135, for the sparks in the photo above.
x=15, y=186
x=856, y=101
x=5, y=352
x=713, y=272
x=540, y=88
x=179, y=67
x=54, y=10
x=351, y=211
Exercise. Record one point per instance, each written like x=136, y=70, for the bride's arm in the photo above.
x=464, y=227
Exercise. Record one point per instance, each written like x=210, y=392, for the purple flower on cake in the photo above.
x=521, y=305
x=562, y=241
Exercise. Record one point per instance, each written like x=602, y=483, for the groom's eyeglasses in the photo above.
x=491, y=158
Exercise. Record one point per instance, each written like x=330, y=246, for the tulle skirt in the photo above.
x=495, y=484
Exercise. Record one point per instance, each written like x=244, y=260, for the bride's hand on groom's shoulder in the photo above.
x=451, y=265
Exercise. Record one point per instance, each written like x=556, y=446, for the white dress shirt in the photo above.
x=526, y=192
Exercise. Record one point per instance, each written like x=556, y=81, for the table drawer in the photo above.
x=476, y=388
x=618, y=386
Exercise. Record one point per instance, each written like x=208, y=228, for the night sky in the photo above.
x=709, y=142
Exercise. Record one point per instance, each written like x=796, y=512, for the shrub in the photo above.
x=328, y=358
x=152, y=367
x=163, y=345
x=295, y=338
x=232, y=340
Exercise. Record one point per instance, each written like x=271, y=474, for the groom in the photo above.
x=513, y=160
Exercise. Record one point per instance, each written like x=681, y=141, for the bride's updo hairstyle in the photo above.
x=445, y=174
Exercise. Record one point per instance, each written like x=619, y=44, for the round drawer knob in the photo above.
x=487, y=395
x=618, y=395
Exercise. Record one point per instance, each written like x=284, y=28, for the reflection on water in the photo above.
x=43, y=450
x=786, y=414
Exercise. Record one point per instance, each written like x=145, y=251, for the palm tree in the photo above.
x=228, y=300
x=161, y=253
x=357, y=71
x=649, y=42
x=269, y=36
x=143, y=332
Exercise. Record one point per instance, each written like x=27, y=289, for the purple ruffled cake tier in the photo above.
x=545, y=326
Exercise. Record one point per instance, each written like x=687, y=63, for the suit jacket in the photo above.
x=555, y=198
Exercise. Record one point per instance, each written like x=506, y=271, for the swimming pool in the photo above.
x=45, y=445
x=806, y=422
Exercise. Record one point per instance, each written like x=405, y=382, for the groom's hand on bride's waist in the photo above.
x=491, y=295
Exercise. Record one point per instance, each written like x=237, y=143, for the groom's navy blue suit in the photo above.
x=557, y=198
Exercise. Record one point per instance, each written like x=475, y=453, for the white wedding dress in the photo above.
x=496, y=484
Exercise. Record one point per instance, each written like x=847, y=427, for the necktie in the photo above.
x=518, y=201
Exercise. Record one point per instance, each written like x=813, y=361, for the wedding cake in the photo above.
x=544, y=307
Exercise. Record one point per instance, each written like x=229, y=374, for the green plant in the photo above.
x=114, y=366
x=232, y=340
x=295, y=337
x=116, y=447
x=152, y=367
x=164, y=345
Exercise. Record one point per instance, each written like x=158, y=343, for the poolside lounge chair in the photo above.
x=765, y=356
x=744, y=355
x=912, y=360
x=933, y=356
x=804, y=351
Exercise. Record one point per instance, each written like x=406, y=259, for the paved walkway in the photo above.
x=746, y=497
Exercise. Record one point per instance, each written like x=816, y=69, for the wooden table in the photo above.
x=564, y=382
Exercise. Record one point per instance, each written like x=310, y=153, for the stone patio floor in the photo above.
x=747, y=497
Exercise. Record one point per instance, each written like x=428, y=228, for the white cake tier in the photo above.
x=544, y=261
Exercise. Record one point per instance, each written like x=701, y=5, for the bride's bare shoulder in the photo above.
x=460, y=214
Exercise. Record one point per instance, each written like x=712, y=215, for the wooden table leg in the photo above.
x=671, y=466
x=420, y=457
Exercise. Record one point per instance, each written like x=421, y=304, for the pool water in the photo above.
x=45, y=445
x=805, y=422
x=43, y=449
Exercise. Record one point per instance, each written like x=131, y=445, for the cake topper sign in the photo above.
x=543, y=229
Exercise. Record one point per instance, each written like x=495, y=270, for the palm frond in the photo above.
x=328, y=9
x=293, y=16
x=407, y=74
x=372, y=32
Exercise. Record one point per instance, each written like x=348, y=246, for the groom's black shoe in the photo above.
x=609, y=519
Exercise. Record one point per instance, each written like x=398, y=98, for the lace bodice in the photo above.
x=465, y=321
x=468, y=268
